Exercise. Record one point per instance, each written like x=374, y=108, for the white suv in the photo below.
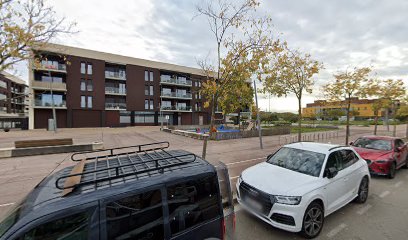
x=301, y=184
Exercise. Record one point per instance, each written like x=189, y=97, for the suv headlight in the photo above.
x=381, y=161
x=289, y=200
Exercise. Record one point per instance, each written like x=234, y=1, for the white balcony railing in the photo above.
x=176, y=95
x=174, y=81
x=176, y=108
x=113, y=90
x=115, y=106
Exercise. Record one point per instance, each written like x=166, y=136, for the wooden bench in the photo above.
x=43, y=143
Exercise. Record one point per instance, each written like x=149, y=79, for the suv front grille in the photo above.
x=264, y=199
x=284, y=219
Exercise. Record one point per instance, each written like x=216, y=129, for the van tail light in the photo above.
x=223, y=228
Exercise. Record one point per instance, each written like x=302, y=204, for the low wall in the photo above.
x=252, y=133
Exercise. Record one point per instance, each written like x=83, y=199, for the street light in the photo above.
x=258, y=120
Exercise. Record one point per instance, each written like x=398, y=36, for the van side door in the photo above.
x=195, y=209
x=80, y=222
x=133, y=215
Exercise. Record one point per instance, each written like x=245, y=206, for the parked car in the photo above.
x=384, y=155
x=147, y=192
x=301, y=184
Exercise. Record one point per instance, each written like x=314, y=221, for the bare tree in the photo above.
x=24, y=24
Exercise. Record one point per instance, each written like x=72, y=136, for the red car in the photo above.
x=384, y=155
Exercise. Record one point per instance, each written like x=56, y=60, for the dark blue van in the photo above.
x=140, y=192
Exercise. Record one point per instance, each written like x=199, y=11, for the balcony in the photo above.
x=175, y=82
x=176, y=109
x=56, y=86
x=115, y=106
x=121, y=75
x=47, y=104
x=56, y=67
x=176, y=95
x=115, y=91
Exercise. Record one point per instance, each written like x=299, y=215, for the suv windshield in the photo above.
x=298, y=160
x=10, y=219
x=377, y=144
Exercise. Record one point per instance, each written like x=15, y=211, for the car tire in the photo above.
x=392, y=170
x=363, y=191
x=313, y=220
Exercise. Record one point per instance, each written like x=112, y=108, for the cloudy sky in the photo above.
x=339, y=33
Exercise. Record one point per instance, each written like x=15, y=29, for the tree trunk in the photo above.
x=299, y=120
x=375, y=124
x=348, y=121
x=387, y=119
x=214, y=98
x=406, y=131
x=394, y=129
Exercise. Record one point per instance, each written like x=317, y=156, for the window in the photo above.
x=3, y=84
x=71, y=227
x=151, y=76
x=151, y=105
x=146, y=76
x=146, y=90
x=151, y=90
x=146, y=104
x=348, y=158
x=83, y=85
x=136, y=217
x=89, y=86
x=192, y=203
x=89, y=69
x=83, y=102
x=2, y=96
x=83, y=68
x=89, y=101
x=149, y=118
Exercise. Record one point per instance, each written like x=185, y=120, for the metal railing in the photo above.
x=176, y=108
x=115, y=106
x=176, y=81
x=40, y=103
x=115, y=90
x=115, y=75
x=176, y=95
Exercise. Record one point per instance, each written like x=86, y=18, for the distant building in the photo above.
x=321, y=108
x=13, y=102
x=96, y=89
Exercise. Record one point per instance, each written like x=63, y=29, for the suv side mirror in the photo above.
x=331, y=172
x=398, y=149
x=351, y=143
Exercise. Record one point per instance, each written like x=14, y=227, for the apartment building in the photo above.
x=13, y=105
x=95, y=89
x=321, y=108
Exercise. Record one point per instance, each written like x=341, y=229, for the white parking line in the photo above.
x=336, y=230
x=6, y=204
x=364, y=209
x=384, y=194
x=244, y=161
x=398, y=184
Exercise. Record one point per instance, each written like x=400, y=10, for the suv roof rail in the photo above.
x=339, y=146
x=158, y=158
x=139, y=148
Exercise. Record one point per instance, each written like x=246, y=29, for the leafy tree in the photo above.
x=347, y=85
x=227, y=82
x=289, y=117
x=24, y=24
x=291, y=72
x=335, y=113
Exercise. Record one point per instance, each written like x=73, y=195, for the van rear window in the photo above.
x=192, y=203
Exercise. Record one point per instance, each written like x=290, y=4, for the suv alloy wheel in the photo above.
x=362, y=191
x=391, y=171
x=313, y=220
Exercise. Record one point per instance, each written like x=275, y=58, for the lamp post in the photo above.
x=258, y=120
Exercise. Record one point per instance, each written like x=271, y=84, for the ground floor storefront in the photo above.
x=78, y=118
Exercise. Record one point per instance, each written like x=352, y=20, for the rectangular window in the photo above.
x=151, y=105
x=89, y=86
x=146, y=90
x=89, y=101
x=146, y=75
x=83, y=102
x=3, y=84
x=83, y=85
x=201, y=193
x=83, y=68
x=89, y=69
x=151, y=76
x=70, y=227
x=146, y=104
x=151, y=90
x=136, y=217
x=149, y=118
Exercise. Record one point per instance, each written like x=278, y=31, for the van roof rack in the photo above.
x=143, y=159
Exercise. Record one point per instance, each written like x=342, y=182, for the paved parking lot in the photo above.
x=385, y=216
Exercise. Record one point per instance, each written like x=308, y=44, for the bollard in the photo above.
x=205, y=145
